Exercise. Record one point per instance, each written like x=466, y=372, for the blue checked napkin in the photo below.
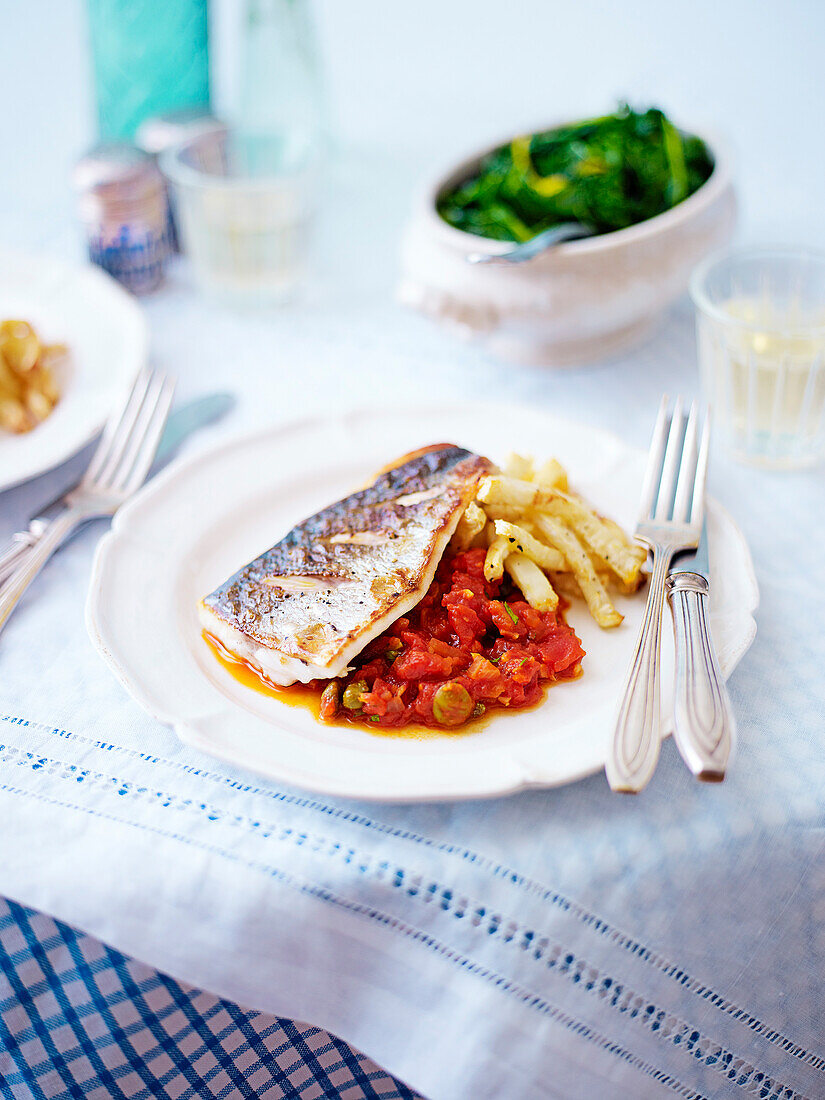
x=77, y=1018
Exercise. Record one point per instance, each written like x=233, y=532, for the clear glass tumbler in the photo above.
x=760, y=318
x=244, y=215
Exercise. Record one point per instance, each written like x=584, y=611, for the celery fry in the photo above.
x=519, y=466
x=511, y=512
x=508, y=490
x=472, y=523
x=552, y=475
x=500, y=547
x=535, y=587
x=566, y=585
x=625, y=561
x=592, y=588
x=634, y=547
x=522, y=541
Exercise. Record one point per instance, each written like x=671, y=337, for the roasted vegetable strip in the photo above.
x=471, y=524
x=592, y=588
x=607, y=540
x=523, y=542
x=498, y=550
x=535, y=586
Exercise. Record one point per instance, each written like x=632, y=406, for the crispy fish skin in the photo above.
x=305, y=608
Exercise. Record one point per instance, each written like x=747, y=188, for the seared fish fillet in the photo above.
x=307, y=607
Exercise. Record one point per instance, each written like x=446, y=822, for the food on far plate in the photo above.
x=429, y=597
x=606, y=173
x=28, y=390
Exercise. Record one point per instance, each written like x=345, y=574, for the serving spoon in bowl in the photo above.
x=526, y=250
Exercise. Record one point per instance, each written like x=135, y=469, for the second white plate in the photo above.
x=198, y=522
x=106, y=333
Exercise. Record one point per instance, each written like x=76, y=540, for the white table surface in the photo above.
x=727, y=883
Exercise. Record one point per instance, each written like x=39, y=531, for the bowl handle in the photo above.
x=471, y=319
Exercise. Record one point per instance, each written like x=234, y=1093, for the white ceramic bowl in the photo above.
x=575, y=303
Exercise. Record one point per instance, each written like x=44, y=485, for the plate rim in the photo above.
x=186, y=729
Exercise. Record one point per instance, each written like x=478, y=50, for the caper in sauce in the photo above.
x=352, y=694
x=329, y=699
x=452, y=704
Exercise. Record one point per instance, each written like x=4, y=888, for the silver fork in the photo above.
x=14, y=553
x=670, y=520
x=118, y=467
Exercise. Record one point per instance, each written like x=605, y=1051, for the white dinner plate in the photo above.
x=105, y=331
x=198, y=522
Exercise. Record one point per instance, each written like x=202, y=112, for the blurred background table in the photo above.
x=411, y=90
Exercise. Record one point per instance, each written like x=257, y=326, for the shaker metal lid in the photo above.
x=115, y=162
x=174, y=127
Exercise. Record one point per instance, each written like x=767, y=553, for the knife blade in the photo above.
x=694, y=561
x=182, y=423
x=188, y=419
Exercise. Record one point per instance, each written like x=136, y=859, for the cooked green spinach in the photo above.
x=607, y=173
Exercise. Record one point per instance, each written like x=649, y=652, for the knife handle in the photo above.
x=704, y=726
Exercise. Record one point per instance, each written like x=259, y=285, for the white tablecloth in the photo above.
x=564, y=943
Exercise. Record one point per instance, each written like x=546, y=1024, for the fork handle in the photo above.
x=14, y=553
x=637, y=734
x=22, y=542
x=35, y=558
x=704, y=726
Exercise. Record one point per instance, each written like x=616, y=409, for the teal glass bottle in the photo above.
x=149, y=57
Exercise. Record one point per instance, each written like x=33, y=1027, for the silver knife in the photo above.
x=704, y=726
x=180, y=425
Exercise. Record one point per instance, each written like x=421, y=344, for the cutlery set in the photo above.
x=671, y=524
x=119, y=466
x=139, y=433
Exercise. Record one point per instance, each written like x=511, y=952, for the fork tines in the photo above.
x=130, y=439
x=674, y=486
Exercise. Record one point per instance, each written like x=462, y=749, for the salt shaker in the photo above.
x=125, y=214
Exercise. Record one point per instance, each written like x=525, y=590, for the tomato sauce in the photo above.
x=466, y=631
x=467, y=635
